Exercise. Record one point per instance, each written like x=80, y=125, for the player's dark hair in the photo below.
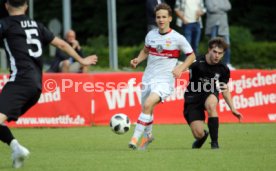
x=217, y=42
x=17, y=3
x=163, y=6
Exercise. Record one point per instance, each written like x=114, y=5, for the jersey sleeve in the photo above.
x=147, y=41
x=185, y=46
x=46, y=35
x=225, y=76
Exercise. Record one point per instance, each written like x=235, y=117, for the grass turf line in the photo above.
x=243, y=147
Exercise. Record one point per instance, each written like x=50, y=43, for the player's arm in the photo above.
x=177, y=71
x=141, y=57
x=228, y=99
x=64, y=46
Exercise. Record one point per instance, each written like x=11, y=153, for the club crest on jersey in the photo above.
x=159, y=48
x=168, y=43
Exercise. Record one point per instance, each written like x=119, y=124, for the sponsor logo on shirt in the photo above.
x=159, y=48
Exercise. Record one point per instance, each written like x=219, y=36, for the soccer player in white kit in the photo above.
x=162, y=50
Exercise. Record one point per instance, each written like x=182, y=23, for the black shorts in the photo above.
x=16, y=99
x=194, y=106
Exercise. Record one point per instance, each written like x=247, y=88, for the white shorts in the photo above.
x=163, y=90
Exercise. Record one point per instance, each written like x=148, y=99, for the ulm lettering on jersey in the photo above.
x=28, y=23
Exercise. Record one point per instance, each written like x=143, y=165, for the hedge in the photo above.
x=245, y=52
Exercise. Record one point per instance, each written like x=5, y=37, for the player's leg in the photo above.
x=19, y=153
x=5, y=134
x=147, y=136
x=134, y=140
x=195, y=117
x=14, y=101
x=148, y=107
x=213, y=121
x=144, y=119
x=8, y=105
x=199, y=133
x=163, y=90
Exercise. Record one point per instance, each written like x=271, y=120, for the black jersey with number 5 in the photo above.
x=23, y=39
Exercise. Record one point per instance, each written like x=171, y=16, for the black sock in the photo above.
x=5, y=134
x=199, y=142
x=203, y=139
x=213, y=125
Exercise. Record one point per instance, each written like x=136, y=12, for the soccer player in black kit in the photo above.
x=23, y=39
x=208, y=76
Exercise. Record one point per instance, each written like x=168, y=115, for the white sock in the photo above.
x=141, y=125
x=148, y=128
x=14, y=144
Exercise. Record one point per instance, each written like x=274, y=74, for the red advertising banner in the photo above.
x=254, y=95
x=63, y=103
x=91, y=99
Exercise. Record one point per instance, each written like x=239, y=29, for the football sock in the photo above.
x=142, y=122
x=5, y=134
x=14, y=144
x=148, y=128
x=213, y=125
x=199, y=142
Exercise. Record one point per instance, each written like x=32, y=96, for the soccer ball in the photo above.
x=119, y=123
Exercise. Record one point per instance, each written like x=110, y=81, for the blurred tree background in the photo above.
x=250, y=21
x=89, y=18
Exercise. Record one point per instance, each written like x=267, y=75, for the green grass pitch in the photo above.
x=243, y=147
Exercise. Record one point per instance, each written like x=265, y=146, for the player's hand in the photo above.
x=134, y=62
x=238, y=115
x=90, y=60
x=177, y=72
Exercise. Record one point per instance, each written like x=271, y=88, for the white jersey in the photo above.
x=164, y=51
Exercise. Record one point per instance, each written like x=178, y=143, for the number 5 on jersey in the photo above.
x=31, y=33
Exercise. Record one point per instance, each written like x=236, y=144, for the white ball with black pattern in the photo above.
x=120, y=123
